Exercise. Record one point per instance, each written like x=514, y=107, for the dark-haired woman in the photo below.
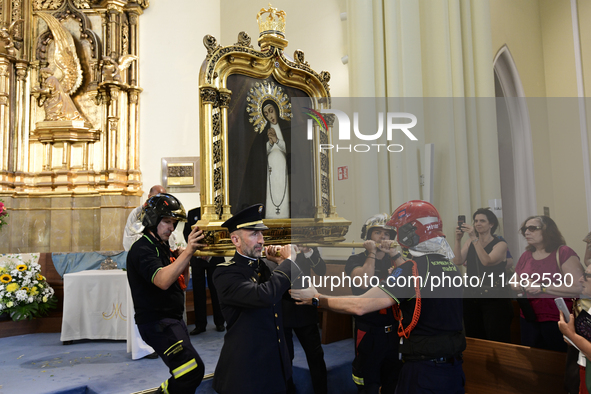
x=546, y=270
x=487, y=308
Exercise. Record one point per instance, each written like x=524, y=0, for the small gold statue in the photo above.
x=54, y=93
x=112, y=68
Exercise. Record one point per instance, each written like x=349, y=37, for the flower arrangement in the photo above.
x=3, y=214
x=24, y=292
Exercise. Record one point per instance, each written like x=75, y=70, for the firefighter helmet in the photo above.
x=161, y=206
x=376, y=221
x=416, y=221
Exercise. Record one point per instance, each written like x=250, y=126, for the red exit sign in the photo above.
x=343, y=173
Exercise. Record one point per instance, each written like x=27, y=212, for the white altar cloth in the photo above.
x=95, y=305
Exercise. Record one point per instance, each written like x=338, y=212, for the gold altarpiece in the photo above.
x=69, y=97
x=232, y=79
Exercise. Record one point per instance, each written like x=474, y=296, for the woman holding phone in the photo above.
x=546, y=270
x=487, y=307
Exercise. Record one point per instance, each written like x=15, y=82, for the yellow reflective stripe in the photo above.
x=358, y=380
x=249, y=224
x=166, y=351
x=185, y=368
x=164, y=387
x=387, y=292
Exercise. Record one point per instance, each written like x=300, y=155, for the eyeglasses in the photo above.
x=530, y=228
x=586, y=276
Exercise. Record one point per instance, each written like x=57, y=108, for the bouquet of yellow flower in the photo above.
x=3, y=214
x=24, y=292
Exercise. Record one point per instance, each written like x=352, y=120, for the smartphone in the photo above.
x=461, y=220
x=562, y=308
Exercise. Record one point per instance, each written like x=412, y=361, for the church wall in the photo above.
x=517, y=24
x=171, y=54
x=539, y=36
x=564, y=131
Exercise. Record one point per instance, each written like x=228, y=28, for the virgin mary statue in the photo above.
x=277, y=172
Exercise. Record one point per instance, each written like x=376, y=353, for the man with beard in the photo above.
x=254, y=357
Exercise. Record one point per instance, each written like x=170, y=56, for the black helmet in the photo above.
x=160, y=206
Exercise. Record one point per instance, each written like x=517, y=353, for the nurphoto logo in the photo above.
x=394, y=123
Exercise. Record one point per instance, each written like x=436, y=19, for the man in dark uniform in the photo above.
x=431, y=323
x=376, y=365
x=303, y=320
x=157, y=280
x=200, y=267
x=254, y=357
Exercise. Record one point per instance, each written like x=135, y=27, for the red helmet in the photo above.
x=416, y=221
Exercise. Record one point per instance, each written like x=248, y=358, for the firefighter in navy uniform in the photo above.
x=376, y=364
x=254, y=358
x=157, y=280
x=430, y=323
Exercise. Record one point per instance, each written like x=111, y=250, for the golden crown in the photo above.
x=274, y=23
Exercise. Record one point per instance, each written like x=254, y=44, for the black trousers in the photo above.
x=199, y=268
x=170, y=339
x=376, y=365
x=542, y=335
x=428, y=377
x=488, y=318
x=309, y=338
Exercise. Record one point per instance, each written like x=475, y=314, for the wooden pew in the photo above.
x=494, y=367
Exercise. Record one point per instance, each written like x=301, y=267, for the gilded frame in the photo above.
x=241, y=58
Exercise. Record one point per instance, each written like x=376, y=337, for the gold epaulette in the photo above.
x=226, y=263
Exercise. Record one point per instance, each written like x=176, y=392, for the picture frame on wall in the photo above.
x=180, y=174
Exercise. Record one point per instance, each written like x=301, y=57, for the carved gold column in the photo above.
x=113, y=26
x=208, y=97
x=22, y=132
x=330, y=118
x=225, y=96
x=112, y=128
x=133, y=161
x=5, y=123
x=134, y=43
x=134, y=176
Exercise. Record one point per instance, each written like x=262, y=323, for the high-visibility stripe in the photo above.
x=390, y=294
x=170, y=348
x=185, y=368
x=358, y=380
x=164, y=387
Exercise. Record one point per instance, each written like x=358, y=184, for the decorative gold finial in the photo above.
x=274, y=23
x=271, y=28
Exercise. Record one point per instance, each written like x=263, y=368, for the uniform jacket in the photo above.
x=146, y=257
x=303, y=315
x=438, y=332
x=254, y=353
